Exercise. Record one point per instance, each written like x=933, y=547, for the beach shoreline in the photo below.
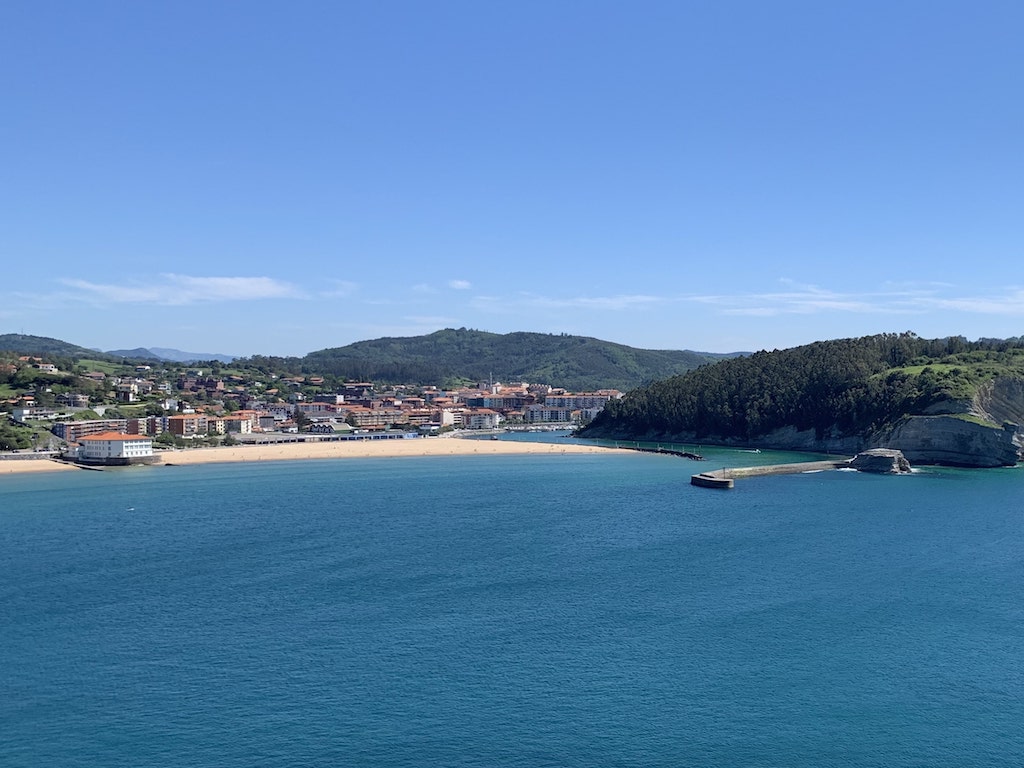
x=346, y=449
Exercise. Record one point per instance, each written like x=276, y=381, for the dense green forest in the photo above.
x=575, y=362
x=849, y=385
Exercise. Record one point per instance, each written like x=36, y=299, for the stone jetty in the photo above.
x=876, y=460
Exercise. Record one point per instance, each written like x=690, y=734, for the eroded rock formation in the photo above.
x=885, y=461
x=951, y=440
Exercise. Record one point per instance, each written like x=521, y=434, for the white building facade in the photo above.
x=115, y=447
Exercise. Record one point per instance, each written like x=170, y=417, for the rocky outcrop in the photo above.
x=1000, y=400
x=954, y=439
x=951, y=440
x=964, y=433
x=884, y=461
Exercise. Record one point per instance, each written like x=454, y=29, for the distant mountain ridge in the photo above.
x=167, y=354
x=575, y=362
x=42, y=346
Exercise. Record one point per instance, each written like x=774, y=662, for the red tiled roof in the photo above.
x=112, y=436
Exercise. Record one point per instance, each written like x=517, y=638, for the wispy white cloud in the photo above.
x=339, y=289
x=613, y=303
x=915, y=286
x=424, y=288
x=432, y=321
x=793, y=298
x=460, y=285
x=174, y=290
x=524, y=301
x=1010, y=303
x=905, y=299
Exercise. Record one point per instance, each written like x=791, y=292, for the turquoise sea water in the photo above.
x=557, y=610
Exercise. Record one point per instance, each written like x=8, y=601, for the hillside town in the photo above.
x=179, y=405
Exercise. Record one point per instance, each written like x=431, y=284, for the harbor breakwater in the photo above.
x=725, y=478
x=875, y=460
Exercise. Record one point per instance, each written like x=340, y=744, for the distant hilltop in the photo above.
x=165, y=354
x=579, y=363
x=45, y=346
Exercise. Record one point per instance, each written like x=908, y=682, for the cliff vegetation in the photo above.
x=843, y=394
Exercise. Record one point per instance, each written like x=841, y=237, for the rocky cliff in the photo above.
x=951, y=440
x=979, y=432
x=970, y=431
x=968, y=434
x=955, y=440
x=1000, y=400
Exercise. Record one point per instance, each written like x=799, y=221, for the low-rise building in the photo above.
x=222, y=425
x=481, y=418
x=450, y=417
x=36, y=413
x=74, y=431
x=583, y=399
x=375, y=418
x=534, y=414
x=318, y=408
x=73, y=399
x=330, y=428
x=187, y=425
x=115, y=448
x=127, y=391
x=146, y=425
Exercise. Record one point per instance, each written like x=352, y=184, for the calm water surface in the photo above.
x=521, y=611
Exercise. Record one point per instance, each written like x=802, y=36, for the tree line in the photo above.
x=850, y=386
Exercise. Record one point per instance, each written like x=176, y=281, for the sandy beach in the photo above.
x=24, y=466
x=350, y=449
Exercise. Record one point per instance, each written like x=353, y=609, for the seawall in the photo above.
x=724, y=478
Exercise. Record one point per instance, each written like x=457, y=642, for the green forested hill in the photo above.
x=575, y=362
x=849, y=386
x=42, y=346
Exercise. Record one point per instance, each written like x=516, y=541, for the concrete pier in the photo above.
x=725, y=478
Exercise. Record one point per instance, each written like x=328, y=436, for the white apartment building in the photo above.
x=482, y=418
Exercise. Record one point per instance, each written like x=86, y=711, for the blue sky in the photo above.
x=276, y=178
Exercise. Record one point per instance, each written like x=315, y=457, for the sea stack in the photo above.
x=885, y=461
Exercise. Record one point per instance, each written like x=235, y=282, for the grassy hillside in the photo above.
x=42, y=346
x=576, y=362
x=847, y=386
